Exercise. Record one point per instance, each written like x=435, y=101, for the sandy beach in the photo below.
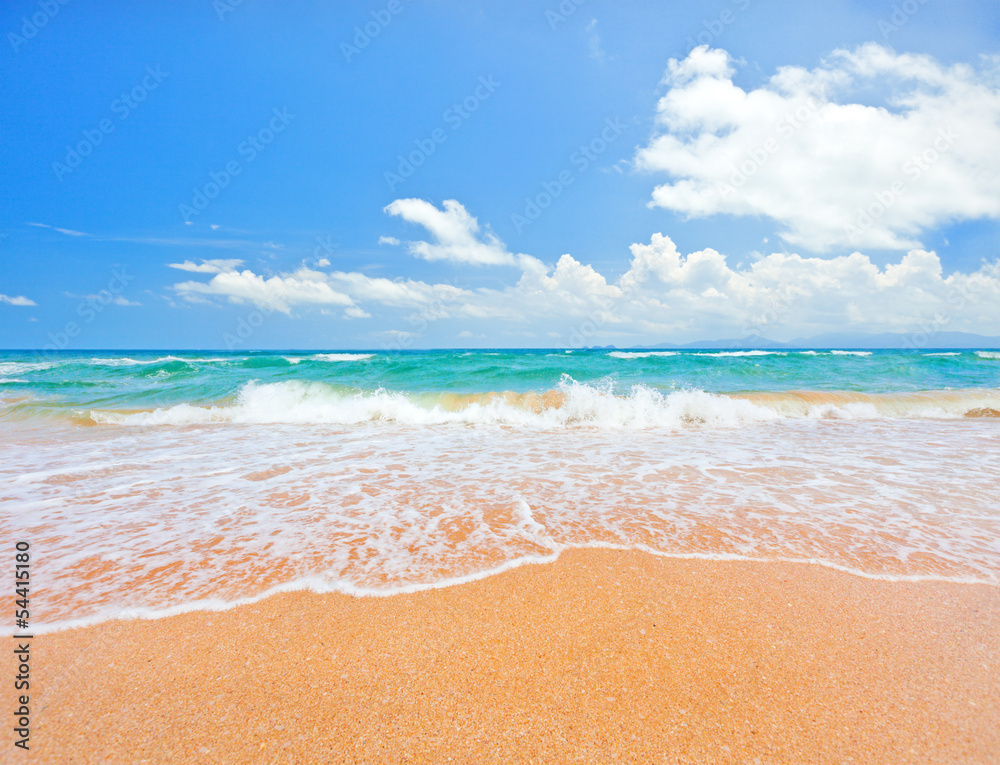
x=601, y=656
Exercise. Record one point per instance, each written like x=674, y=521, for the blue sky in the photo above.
x=119, y=121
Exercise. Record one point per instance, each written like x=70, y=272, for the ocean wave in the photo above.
x=127, y=361
x=20, y=367
x=640, y=354
x=988, y=354
x=342, y=356
x=737, y=354
x=953, y=353
x=851, y=353
x=571, y=405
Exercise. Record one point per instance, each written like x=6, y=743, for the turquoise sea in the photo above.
x=148, y=380
x=152, y=481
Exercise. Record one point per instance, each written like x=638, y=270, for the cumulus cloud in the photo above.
x=207, y=266
x=663, y=294
x=667, y=295
x=277, y=292
x=455, y=231
x=18, y=300
x=307, y=287
x=870, y=149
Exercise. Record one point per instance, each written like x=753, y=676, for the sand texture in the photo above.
x=603, y=656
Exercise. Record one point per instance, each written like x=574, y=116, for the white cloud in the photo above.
x=308, y=287
x=594, y=43
x=662, y=295
x=456, y=234
x=304, y=287
x=67, y=231
x=400, y=334
x=207, y=266
x=105, y=298
x=667, y=295
x=18, y=300
x=871, y=149
x=397, y=293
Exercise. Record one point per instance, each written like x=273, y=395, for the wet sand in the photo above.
x=603, y=656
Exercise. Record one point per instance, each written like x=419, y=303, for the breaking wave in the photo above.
x=570, y=405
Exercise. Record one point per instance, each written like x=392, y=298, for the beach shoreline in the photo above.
x=603, y=655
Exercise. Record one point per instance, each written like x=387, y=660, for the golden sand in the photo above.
x=603, y=656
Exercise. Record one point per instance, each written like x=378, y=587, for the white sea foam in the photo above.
x=943, y=354
x=342, y=356
x=126, y=361
x=988, y=354
x=640, y=354
x=852, y=411
x=580, y=406
x=338, y=510
x=737, y=354
x=20, y=367
x=572, y=405
x=851, y=353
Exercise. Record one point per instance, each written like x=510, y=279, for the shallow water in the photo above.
x=151, y=482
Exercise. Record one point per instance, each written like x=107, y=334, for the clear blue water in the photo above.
x=138, y=380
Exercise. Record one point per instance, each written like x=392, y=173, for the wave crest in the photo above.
x=571, y=405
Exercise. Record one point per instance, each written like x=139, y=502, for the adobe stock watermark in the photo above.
x=562, y=12
x=901, y=13
x=89, y=309
x=31, y=26
x=248, y=149
x=454, y=116
x=913, y=170
x=758, y=156
x=779, y=303
x=249, y=323
x=324, y=250
x=435, y=310
x=366, y=33
x=581, y=160
x=608, y=311
x=224, y=7
x=715, y=27
x=958, y=297
x=122, y=107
